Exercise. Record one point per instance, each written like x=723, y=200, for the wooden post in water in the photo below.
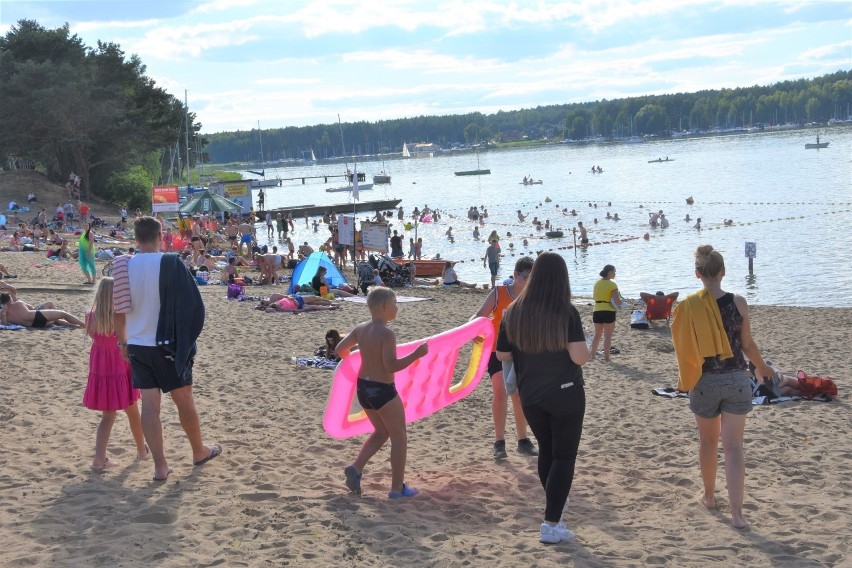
x=574, y=231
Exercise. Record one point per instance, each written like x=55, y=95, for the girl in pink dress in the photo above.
x=110, y=386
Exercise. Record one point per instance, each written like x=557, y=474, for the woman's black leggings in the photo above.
x=557, y=422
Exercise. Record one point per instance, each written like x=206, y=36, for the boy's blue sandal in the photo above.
x=353, y=479
x=406, y=492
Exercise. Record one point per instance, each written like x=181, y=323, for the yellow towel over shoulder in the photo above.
x=697, y=332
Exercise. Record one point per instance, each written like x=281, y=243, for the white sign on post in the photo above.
x=751, y=250
x=345, y=229
x=374, y=236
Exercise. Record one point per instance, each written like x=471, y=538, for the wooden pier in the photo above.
x=361, y=177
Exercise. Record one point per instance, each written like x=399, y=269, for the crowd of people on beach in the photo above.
x=537, y=361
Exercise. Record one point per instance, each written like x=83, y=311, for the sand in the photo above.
x=276, y=495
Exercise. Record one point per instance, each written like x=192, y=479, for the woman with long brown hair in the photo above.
x=542, y=334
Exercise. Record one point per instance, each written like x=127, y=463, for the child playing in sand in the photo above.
x=110, y=386
x=376, y=390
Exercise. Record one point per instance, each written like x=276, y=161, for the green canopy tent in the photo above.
x=207, y=202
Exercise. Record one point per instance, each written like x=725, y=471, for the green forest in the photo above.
x=801, y=101
x=68, y=107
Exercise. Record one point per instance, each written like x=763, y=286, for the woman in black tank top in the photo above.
x=722, y=397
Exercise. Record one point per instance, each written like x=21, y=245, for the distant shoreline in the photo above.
x=520, y=144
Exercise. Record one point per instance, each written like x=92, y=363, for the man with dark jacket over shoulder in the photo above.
x=158, y=316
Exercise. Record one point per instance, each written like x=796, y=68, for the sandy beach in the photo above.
x=276, y=495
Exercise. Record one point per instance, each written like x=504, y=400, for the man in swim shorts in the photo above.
x=247, y=232
x=584, y=235
x=492, y=255
x=17, y=312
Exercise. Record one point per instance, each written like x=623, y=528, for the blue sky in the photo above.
x=294, y=63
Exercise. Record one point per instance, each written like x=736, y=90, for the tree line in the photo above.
x=800, y=101
x=88, y=110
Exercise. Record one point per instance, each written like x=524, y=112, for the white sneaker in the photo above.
x=551, y=534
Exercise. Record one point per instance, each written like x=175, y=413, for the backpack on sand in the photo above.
x=816, y=387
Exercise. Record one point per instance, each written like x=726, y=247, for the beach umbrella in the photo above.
x=207, y=202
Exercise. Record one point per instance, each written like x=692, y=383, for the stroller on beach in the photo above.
x=393, y=274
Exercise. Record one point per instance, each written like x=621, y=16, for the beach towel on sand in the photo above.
x=11, y=326
x=316, y=362
x=672, y=392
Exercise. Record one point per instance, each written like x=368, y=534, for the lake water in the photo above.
x=795, y=204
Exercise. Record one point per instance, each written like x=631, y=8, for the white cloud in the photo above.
x=410, y=71
x=99, y=26
x=212, y=6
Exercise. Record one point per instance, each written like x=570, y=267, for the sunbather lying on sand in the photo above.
x=295, y=303
x=778, y=384
x=20, y=313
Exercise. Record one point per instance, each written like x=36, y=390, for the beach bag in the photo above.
x=235, y=291
x=307, y=289
x=816, y=387
x=638, y=320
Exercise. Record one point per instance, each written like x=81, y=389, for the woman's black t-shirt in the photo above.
x=541, y=375
x=316, y=282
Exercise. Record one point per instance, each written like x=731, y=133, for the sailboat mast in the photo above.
x=186, y=104
x=262, y=162
x=343, y=144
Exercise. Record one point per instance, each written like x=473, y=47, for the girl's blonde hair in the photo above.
x=102, y=308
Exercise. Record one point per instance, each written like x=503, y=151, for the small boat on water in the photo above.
x=361, y=187
x=660, y=160
x=384, y=176
x=265, y=182
x=429, y=268
x=531, y=182
x=816, y=146
x=381, y=178
x=476, y=172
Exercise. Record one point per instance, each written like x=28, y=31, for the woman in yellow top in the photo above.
x=605, y=295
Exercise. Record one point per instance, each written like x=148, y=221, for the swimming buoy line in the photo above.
x=425, y=387
x=652, y=235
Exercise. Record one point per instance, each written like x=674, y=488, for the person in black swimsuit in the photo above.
x=19, y=313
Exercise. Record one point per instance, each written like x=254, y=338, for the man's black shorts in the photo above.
x=154, y=368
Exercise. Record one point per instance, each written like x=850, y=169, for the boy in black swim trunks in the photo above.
x=377, y=392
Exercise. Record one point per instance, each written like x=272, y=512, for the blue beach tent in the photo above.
x=305, y=271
